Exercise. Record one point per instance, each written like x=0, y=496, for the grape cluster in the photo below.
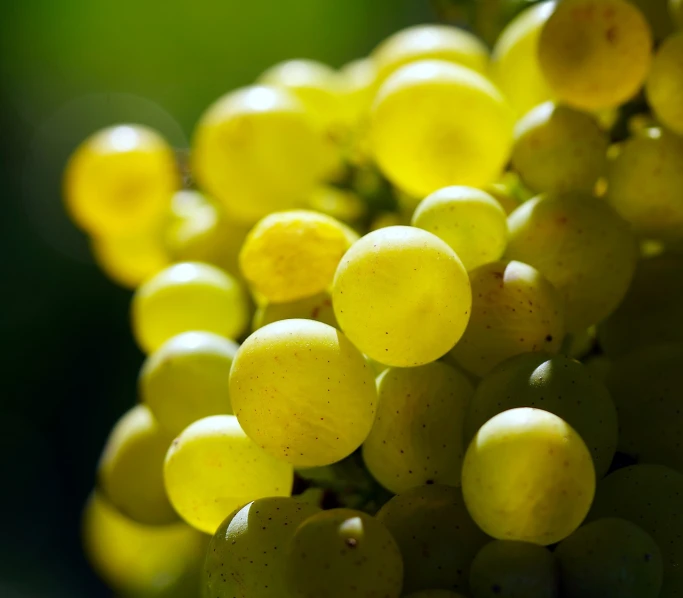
x=414, y=327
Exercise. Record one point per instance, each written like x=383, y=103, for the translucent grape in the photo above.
x=342, y=204
x=359, y=84
x=425, y=42
x=646, y=385
x=504, y=196
x=130, y=471
x=595, y=53
x=582, y=247
x=645, y=184
x=292, y=255
x=514, y=310
x=436, y=536
x=120, y=180
x=303, y=392
x=610, y=557
x=556, y=384
x=650, y=497
x=130, y=259
x=318, y=307
x=141, y=561
x=651, y=312
x=342, y=552
x=528, y=476
x=515, y=67
x=471, y=221
x=402, y=296
x=417, y=435
x=514, y=570
x=247, y=554
x=665, y=83
x=257, y=150
x=213, y=467
x=187, y=379
x=559, y=149
x=435, y=124
x=184, y=297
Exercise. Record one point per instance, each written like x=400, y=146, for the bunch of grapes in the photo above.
x=414, y=327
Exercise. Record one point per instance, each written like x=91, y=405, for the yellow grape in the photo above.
x=435, y=124
x=317, y=307
x=402, y=296
x=528, y=476
x=471, y=221
x=247, y=555
x=141, y=561
x=436, y=536
x=359, y=84
x=292, y=255
x=515, y=570
x=258, y=150
x=187, y=379
x=343, y=204
x=417, y=437
x=213, y=467
x=120, y=180
x=665, y=83
x=559, y=149
x=514, y=310
x=504, y=196
x=554, y=383
x=645, y=182
x=184, y=297
x=303, y=392
x=595, y=53
x=430, y=42
x=130, y=471
x=131, y=259
x=514, y=63
x=581, y=246
x=340, y=553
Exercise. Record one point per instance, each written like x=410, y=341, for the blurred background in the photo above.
x=69, y=361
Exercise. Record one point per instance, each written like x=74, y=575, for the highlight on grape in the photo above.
x=413, y=327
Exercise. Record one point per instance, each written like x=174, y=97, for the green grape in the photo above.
x=514, y=310
x=471, y=221
x=504, y=196
x=582, y=247
x=292, y=255
x=417, y=435
x=198, y=230
x=514, y=570
x=658, y=16
x=247, y=554
x=645, y=182
x=213, y=467
x=187, y=379
x=650, y=497
x=343, y=552
x=184, y=297
x=343, y=204
x=402, y=296
x=303, y=392
x=528, y=476
x=651, y=312
x=557, y=384
x=515, y=67
x=130, y=471
x=559, y=149
x=430, y=42
x=317, y=307
x=436, y=536
x=119, y=180
x=435, y=124
x=358, y=80
x=646, y=385
x=610, y=557
x=141, y=561
x=258, y=150
x=599, y=366
x=595, y=53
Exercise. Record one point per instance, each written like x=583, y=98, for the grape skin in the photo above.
x=417, y=434
x=313, y=403
x=528, y=476
x=317, y=307
x=665, y=83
